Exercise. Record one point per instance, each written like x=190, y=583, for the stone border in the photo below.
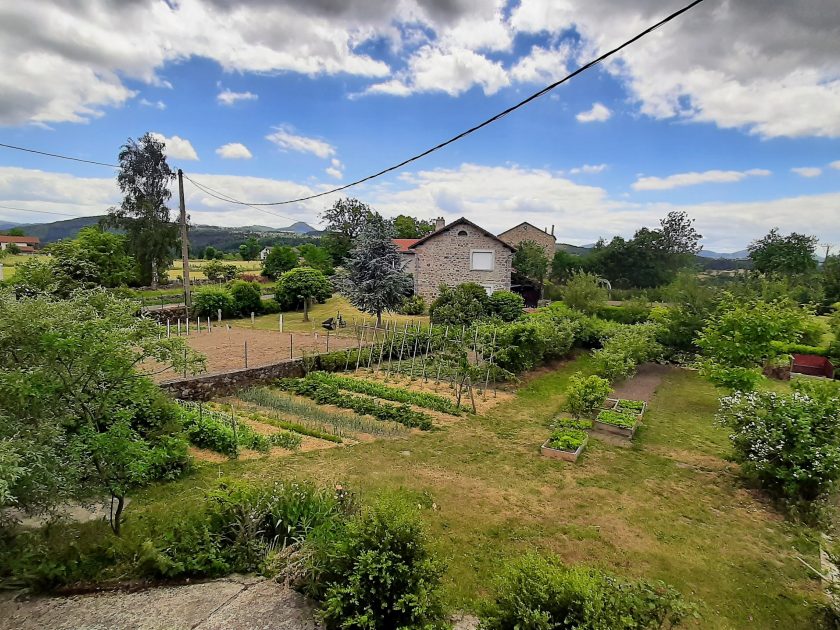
x=207, y=386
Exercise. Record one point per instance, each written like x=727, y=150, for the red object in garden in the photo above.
x=812, y=365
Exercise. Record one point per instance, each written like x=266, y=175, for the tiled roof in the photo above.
x=19, y=239
x=404, y=244
x=462, y=221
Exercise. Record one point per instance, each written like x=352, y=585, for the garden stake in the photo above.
x=359, y=351
x=246, y=353
x=187, y=320
x=490, y=364
x=179, y=326
x=391, y=349
x=425, y=354
x=168, y=331
x=414, y=354
x=291, y=346
x=382, y=347
x=443, y=349
x=372, y=349
x=402, y=345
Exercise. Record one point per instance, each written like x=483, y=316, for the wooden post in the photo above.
x=168, y=328
x=281, y=322
x=426, y=354
x=209, y=325
x=246, y=353
x=359, y=351
x=187, y=320
x=198, y=324
x=291, y=346
x=443, y=347
x=219, y=315
x=328, y=338
x=372, y=348
x=179, y=326
x=252, y=319
x=402, y=345
x=185, y=243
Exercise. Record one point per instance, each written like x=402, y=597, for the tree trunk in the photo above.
x=116, y=515
x=306, y=309
x=379, y=319
x=154, y=275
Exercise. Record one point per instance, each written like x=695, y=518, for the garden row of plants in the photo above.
x=367, y=566
x=387, y=392
x=223, y=433
x=312, y=418
x=328, y=394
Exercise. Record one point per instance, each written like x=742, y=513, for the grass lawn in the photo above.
x=10, y=262
x=671, y=507
x=293, y=320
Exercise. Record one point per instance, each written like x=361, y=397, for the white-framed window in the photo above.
x=490, y=288
x=482, y=260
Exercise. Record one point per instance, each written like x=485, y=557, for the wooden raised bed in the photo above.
x=556, y=453
x=614, y=429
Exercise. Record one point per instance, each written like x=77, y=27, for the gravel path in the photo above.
x=643, y=385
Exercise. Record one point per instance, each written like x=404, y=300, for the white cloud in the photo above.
x=153, y=104
x=285, y=138
x=336, y=169
x=542, y=65
x=598, y=113
x=588, y=169
x=234, y=151
x=226, y=97
x=692, y=179
x=177, y=147
x=835, y=165
x=807, y=171
x=452, y=70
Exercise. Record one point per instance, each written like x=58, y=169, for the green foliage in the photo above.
x=102, y=255
x=372, y=276
x=246, y=297
x=525, y=343
x=586, y=394
x=250, y=249
x=411, y=227
x=217, y=271
x=507, y=305
x=571, y=423
x=302, y=285
x=317, y=258
x=339, y=360
x=584, y=293
x=790, y=254
x=344, y=221
x=144, y=179
x=225, y=434
x=635, y=311
x=280, y=259
x=461, y=305
x=625, y=349
x=789, y=443
x=618, y=417
x=208, y=300
x=567, y=439
x=564, y=265
x=74, y=405
x=531, y=262
x=831, y=278
x=539, y=593
x=413, y=305
x=377, y=572
x=386, y=392
x=327, y=394
x=636, y=406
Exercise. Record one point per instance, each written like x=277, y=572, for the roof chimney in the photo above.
x=439, y=223
x=552, y=229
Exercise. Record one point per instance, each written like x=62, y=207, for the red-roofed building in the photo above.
x=26, y=244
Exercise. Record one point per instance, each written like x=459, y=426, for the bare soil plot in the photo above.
x=225, y=347
x=643, y=384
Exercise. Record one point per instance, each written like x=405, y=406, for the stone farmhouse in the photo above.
x=456, y=253
x=26, y=244
x=527, y=232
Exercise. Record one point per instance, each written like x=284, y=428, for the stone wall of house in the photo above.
x=526, y=232
x=445, y=259
x=205, y=387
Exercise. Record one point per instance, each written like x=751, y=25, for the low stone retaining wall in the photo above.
x=173, y=313
x=207, y=386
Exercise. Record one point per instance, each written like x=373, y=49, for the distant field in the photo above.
x=10, y=264
x=176, y=270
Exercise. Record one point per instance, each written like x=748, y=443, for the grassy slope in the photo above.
x=293, y=321
x=669, y=508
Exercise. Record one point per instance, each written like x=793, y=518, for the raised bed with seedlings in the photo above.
x=634, y=406
x=565, y=443
x=617, y=422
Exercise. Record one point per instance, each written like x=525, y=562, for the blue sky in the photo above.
x=732, y=113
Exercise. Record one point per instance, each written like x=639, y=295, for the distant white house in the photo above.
x=264, y=253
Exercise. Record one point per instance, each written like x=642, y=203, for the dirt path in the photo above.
x=235, y=603
x=643, y=385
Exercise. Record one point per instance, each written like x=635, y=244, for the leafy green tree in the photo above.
x=461, y=305
x=303, y=285
x=12, y=249
x=791, y=254
x=15, y=232
x=109, y=263
x=208, y=301
x=144, y=179
x=344, y=223
x=69, y=382
x=372, y=277
x=583, y=292
x=317, y=258
x=563, y=265
x=831, y=278
x=280, y=259
x=411, y=227
x=217, y=271
x=586, y=394
x=250, y=249
x=530, y=262
x=53, y=277
x=247, y=297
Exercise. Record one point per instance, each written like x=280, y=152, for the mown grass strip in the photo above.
x=386, y=392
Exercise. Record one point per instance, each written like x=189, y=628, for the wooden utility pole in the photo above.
x=185, y=244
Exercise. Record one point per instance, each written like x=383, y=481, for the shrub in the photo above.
x=633, y=311
x=247, y=297
x=625, y=349
x=462, y=305
x=567, y=439
x=414, y=305
x=789, y=443
x=507, y=305
x=586, y=394
x=537, y=593
x=216, y=271
x=205, y=430
x=522, y=344
x=377, y=572
x=623, y=419
x=208, y=300
x=583, y=293
x=270, y=307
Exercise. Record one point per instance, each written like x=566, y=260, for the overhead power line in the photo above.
x=65, y=214
x=57, y=155
x=487, y=122
x=223, y=197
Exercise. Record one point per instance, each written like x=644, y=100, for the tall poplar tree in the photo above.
x=144, y=179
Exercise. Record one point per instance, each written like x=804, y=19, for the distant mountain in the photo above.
x=741, y=254
x=577, y=250
x=51, y=232
x=8, y=225
x=299, y=227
